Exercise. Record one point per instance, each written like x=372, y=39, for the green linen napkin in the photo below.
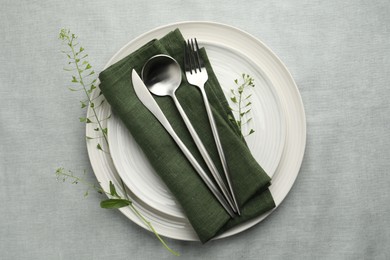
x=204, y=212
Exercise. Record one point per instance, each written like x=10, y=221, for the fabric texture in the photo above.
x=338, y=53
x=249, y=180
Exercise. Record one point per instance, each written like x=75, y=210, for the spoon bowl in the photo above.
x=161, y=75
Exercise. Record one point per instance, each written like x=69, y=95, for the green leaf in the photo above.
x=83, y=104
x=105, y=130
x=85, y=120
x=234, y=99
x=92, y=105
x=113, y=190
x=249, y=103
x=88, y=67
x=99, y=147
x=74, y=80
x=114, y=203
x=248, y=96
x=246, y=112
x=91, y=88
x=81, y=49
x=251, y=132
x=88, y=137
x=68, y=69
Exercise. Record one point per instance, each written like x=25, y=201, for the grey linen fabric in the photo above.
x=339, y=55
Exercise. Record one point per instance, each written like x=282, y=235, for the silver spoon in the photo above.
x=162, y=76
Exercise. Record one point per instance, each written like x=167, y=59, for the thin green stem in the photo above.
x=239, y=110
x=80, y=78
x=242, y=111
x=60, y=172
x=146, y=222
x=150, y=226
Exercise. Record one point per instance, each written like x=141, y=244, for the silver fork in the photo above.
x=196, y=74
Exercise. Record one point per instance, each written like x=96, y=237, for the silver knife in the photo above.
x=148, y=101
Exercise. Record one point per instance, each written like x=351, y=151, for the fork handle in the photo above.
x=219, y=146
x=205, y=155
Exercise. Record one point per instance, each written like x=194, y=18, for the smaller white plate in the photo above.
x=266, y=143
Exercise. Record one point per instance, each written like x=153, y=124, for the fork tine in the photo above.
x=192, y=55
x=187, y=65
x=197, y=55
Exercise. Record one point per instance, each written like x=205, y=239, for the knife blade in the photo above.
x=148, y=101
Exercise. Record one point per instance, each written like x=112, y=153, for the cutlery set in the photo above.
x=161, y=75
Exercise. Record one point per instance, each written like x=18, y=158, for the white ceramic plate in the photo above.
x=280, y=107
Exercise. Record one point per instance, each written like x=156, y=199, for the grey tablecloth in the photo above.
x=337, y=51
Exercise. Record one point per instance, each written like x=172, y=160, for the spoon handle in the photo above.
x=205, y=155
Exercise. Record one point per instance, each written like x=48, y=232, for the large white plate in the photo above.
x=270, y=74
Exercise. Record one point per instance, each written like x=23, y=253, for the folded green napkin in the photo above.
x=204, y=212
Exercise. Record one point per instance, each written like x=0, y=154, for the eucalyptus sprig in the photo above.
x=85, y=81
x=243, y=103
